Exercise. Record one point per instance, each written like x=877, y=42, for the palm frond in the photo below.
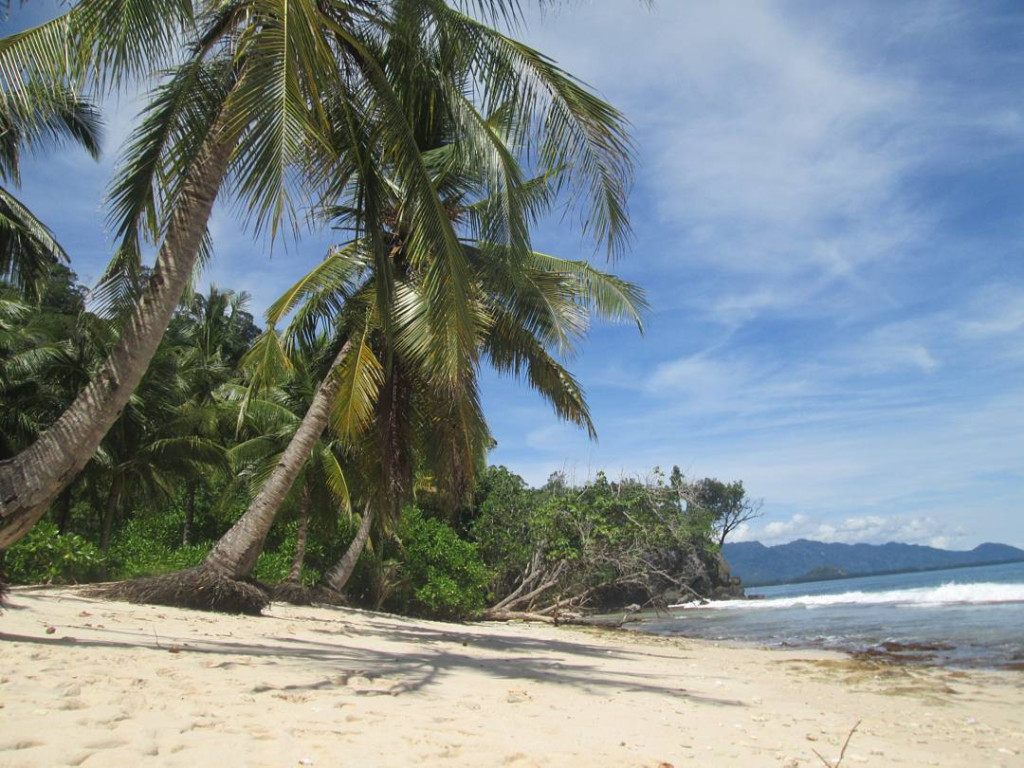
x=611, y=297
x=361, y=376
x=512, y=349
x=28, y=249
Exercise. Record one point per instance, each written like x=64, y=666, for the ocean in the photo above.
x=963, y=617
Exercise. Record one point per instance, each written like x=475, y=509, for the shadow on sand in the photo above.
x=437, y=653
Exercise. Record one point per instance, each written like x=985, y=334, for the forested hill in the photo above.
x=756, y=564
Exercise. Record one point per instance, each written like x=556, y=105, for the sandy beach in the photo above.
x=90, y=683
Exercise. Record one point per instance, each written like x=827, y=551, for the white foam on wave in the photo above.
x=947, y=594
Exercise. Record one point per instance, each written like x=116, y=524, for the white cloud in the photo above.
x=996, y=311
x=871, y=529
x=774, y=150
x=893, y=347
x=799, y=194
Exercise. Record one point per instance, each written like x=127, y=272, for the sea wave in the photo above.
x=947, y=594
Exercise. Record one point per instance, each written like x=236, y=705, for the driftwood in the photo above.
x=576, y=621
x=517, y=616
x=535, y=571
x=842, y=755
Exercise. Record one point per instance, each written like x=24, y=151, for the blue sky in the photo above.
x=828, y=223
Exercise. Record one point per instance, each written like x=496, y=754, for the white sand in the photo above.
x=120, y=685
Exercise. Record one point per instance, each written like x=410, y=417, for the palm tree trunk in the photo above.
x=113, y=501
x=295, y=576
x=235, y=554
x=30, y=481
x=336, y=578
x=190, y=514
x=64, y=518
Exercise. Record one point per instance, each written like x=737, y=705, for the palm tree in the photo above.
x=532, y=304
x=151, y=448
x=415, y=425
x=48, y=349
x=216, y=330
x=270, y=414
x=245, y=104
x=417, y=59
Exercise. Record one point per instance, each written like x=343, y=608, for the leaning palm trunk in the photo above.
x=221, y=582
x=336, y=578
x=295, y=575
x=30, y=481
x=235, y=554
x=113, y=502
x=292, y=590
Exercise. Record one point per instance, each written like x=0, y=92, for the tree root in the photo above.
x=324, y=595
x=294, y=593
x=199, y=588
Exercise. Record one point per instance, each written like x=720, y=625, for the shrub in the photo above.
x=151, y=546
x=274, y=566
x=444, y=576
x=44, y=556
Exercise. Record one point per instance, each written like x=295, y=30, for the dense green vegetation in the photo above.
x=180, y=464
x=179, y=467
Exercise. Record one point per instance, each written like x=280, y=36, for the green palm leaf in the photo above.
x=361, y=376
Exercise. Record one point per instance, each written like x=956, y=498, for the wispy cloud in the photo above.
x=839, y=316
x=828, y=222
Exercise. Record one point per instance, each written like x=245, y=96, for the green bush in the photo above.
x=274, y=567
x=275, y=562
x=151, y=546
x=44, y=556
x=444, y=576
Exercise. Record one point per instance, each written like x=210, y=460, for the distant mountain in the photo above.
x=756, y=564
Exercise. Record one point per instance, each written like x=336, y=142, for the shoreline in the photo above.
x=890, y=652
x=89, y=682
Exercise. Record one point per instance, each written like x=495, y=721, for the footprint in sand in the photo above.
x=106, y=744
x=69, y=705
x=21, y=744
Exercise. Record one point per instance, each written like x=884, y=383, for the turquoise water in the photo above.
x=965, y=617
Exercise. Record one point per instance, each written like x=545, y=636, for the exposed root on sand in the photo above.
x=294, y=593
x=327, y=596
x=299, y=594
x=199, y=588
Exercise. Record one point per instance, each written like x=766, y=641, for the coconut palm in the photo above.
x=415, y=425
x=247, y=104
x=48, y=349
x=270, y=415
x=151, y=448
x=216, y=330
x=532, y=305
x=432, y=58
